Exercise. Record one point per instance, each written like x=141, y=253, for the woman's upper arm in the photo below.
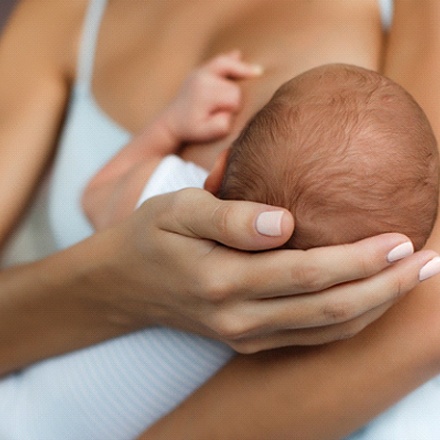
x=413, y=54
x=36, y=50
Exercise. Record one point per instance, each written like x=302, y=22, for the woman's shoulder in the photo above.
x=49, y=30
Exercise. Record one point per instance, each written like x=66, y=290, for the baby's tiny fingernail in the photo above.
x=257, y=69
x=430, y=269
x=269, y=223
x=401, y=251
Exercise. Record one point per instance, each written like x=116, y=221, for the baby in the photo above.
x=346, y=150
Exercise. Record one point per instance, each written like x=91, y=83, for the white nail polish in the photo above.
x=401, y=251
x=430, y=269
x=269, y=223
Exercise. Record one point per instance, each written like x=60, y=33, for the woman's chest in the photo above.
x=146, y=48
x=145, y=51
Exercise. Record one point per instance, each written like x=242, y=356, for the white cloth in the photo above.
x=172, y=174
x=416, y=417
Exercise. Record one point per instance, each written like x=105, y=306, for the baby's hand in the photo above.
x=208, y=99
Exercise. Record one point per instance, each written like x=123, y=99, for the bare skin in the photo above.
x=46, y=307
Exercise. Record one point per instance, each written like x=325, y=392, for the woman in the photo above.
x=111, y=283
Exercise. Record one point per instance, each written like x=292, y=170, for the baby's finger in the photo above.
x=228, y=96
x=233, y=67
x=236, y=53
x=218, y=124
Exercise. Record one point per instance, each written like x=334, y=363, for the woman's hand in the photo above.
x=169, y=264
x=182, y=275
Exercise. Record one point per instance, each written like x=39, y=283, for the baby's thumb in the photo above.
x=235, y=68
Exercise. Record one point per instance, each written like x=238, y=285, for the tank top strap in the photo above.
x=88, y=42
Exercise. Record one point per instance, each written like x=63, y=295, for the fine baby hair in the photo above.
x=348, y=151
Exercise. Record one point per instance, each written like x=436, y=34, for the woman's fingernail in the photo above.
x=430, y=269
x=269, y=223
x=401, y=251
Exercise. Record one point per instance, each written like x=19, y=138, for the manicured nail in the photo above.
x=401, y=251
x=269, y=223
x=430, y=269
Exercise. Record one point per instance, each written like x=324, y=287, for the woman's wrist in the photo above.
x=58, y=304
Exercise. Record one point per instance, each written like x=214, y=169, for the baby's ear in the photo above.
x=215, y=178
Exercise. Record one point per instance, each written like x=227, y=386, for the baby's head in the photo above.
x=347, y=151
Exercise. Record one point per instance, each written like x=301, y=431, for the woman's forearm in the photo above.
x=58, y=304
x=323, y=392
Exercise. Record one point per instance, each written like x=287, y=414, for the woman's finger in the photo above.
x=339, y=304
x=335, y=313
x=241, y=225
x=309, y=336
x=290, y=272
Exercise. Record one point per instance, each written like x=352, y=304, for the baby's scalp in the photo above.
x=347, y=150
